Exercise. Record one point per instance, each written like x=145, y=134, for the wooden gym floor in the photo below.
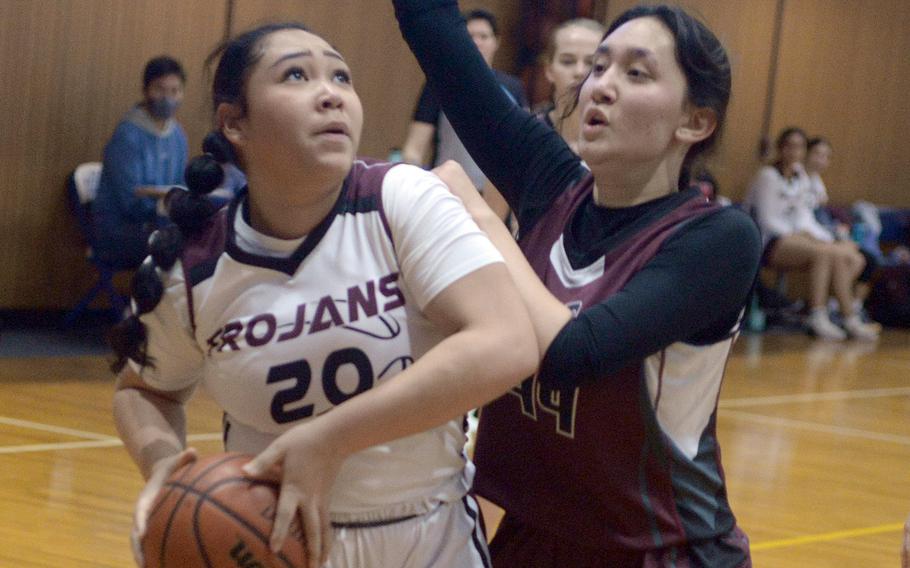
x=815, y=440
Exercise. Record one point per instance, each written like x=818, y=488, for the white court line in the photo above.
x=815, y=427
x=813, y=397
x=55, y=429
x=105, y=443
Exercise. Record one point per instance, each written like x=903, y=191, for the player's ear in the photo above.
x=697, y=124
x=230, y=120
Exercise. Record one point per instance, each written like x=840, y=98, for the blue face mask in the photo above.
x=163, y=108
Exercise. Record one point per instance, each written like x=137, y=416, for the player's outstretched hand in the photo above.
x=162, y=469
x=308, y=471
x=454, y=176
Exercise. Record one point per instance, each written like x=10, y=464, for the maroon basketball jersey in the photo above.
x=592, y=464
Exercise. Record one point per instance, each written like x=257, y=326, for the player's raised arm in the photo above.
x=514, y=150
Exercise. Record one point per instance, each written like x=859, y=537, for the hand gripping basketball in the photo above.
x=308, y=467
x=160, y=472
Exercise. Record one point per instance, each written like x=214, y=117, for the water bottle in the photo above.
x=756, y=320
x=858, y=232
x=395, y=155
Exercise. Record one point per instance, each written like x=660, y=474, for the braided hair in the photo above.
x=190, y=211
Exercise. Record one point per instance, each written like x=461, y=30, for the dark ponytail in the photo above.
x=190, y=212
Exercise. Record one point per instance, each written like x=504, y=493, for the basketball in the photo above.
x=209, y=515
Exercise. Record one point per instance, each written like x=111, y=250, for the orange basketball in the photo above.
x=209, y=515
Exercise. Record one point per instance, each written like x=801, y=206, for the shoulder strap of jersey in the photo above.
x=201, y=252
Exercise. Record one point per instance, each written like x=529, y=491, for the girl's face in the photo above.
x=303, y=116
x=793, y=149
x=819, y=157
x=486, y=41
x=635, y=100
x=571, y=61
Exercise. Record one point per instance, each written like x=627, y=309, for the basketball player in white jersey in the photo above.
x=331, y=284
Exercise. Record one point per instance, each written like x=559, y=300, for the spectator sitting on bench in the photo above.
x=793, y=239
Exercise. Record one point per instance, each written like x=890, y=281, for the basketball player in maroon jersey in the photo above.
x=608, y=456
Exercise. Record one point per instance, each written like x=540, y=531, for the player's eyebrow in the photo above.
x=294, y=55
x=631, y=53
x=305, y=53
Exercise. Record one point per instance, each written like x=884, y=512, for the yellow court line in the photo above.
x=825, y=537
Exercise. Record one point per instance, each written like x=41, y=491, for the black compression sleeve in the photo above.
x=525, y=159
x=427, y=107
x=693, y=290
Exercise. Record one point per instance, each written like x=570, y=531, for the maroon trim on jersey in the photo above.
x=371, y=174
x=290, y=264
x=361, y=192
x=200, y=254
x=620, y=263
x=206, y=245
x=591, y=464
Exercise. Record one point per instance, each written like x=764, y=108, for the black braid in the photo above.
x=191, y=212
x=218, y=146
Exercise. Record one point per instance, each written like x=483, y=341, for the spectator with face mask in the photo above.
x=144, y=158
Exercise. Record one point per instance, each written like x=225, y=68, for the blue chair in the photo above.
x=81, y=188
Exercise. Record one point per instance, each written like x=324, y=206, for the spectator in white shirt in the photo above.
x=780, y=200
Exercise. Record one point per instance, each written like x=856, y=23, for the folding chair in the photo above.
x=81, y=188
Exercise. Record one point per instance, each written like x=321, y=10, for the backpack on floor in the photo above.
x=889, y=301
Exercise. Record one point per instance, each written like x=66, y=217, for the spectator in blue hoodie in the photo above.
x=144, y=158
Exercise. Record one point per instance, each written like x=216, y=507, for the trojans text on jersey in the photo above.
x=361, y=301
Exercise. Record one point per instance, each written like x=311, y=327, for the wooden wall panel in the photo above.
x=71, y=68
x=844, y=73
x=746, y=28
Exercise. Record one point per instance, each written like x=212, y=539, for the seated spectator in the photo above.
x=793, y=239
x=818, y=157
x=567, y=59
x=144, y=158
x=431, y=139
x=866, y=225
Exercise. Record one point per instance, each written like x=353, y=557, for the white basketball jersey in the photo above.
x=278, y=340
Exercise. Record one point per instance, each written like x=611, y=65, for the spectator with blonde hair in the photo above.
x=567, y=59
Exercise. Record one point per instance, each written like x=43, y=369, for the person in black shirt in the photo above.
x=431, y=139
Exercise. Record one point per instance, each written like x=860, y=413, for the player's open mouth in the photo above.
x=335, y=128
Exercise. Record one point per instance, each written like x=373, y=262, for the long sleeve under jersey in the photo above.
x=692, y=291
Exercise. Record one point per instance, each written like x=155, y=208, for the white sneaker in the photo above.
x=821, y=327
x=859, y=330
